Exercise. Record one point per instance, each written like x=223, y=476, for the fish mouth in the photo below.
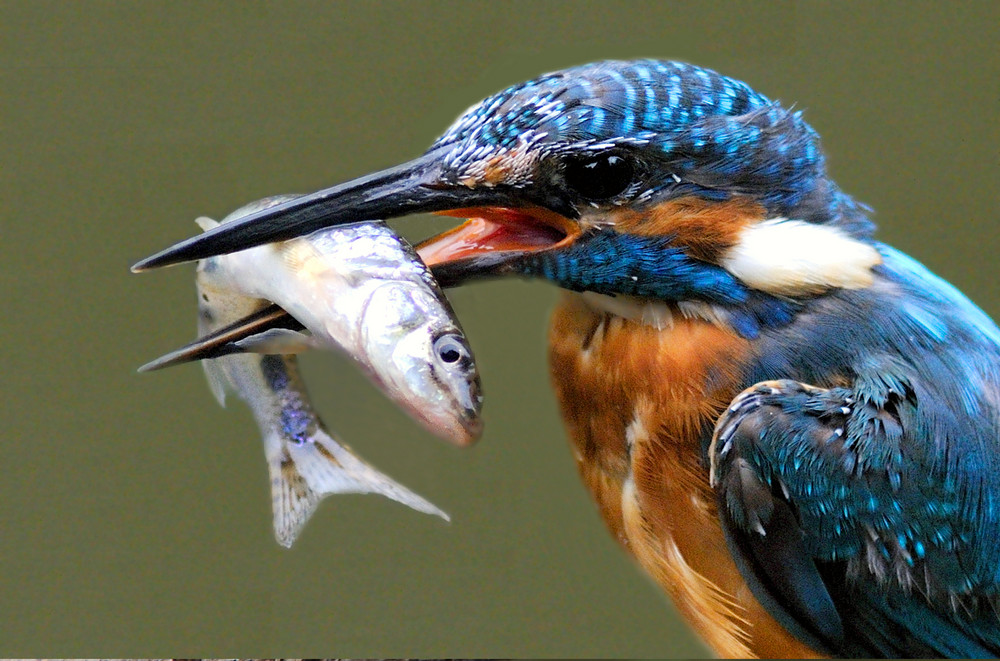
x=460, y=424
x=462, y=431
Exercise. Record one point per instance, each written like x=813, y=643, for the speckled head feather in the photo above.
x=702, y=133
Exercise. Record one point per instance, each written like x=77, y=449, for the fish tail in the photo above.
x=302, y=474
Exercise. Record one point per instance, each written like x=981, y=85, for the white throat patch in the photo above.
x=658, y=314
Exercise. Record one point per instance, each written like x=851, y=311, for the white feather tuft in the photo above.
x=790, y=257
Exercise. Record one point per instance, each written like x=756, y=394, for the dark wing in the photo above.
x=843, y=528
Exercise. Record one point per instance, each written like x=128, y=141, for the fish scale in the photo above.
x=361, y=290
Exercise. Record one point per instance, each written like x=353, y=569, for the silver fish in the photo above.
x=362, y=290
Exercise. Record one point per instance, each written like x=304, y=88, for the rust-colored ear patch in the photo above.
x=706, y=229
x=776, y=255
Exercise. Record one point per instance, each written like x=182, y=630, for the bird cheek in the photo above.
x=703, y=228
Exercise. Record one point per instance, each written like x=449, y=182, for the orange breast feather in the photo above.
x=635, y=400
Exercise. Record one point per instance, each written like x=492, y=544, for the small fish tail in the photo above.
x=302, y=474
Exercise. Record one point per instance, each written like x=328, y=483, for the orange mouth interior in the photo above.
x=497, y=229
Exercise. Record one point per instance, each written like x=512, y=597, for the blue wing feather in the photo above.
x=889, y=460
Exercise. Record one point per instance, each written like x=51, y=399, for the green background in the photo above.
x=135, y=513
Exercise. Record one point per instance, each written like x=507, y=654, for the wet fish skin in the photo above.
x=363, y=290
x=305, y=461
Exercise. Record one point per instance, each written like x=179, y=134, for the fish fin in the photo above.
x=302, y=475
x=218, y=382
x=292, y=500
x=296, y=255
x=276, y=341
x=206, y=223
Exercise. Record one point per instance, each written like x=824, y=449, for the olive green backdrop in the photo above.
x=134, y=512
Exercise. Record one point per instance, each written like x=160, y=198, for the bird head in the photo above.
x=652, y=179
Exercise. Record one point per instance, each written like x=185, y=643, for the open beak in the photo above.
x=488, y=244
x=508, y=220
x=503, y=226
x=493, y=241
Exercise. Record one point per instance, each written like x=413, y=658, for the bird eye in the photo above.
x=599, y=176
x=451, y=350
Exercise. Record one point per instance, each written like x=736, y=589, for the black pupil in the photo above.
x=449, y=351
x=599, y=177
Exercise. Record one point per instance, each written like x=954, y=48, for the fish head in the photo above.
x=422, y=359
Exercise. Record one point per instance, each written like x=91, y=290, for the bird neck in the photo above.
x=747, y=319
x=731, y=263
x=612, y=354
x=660, y=315
x=639, y=402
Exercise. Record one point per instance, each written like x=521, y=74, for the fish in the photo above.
x=359, y=289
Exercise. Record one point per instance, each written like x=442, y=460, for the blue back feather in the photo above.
x=914, y=343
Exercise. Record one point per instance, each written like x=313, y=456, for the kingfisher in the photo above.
x=792, y=427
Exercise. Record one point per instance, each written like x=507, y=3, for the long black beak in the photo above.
x=413, y=187
x=222, y=342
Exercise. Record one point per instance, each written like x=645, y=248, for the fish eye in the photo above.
x=599, y=176
x=451, y=350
